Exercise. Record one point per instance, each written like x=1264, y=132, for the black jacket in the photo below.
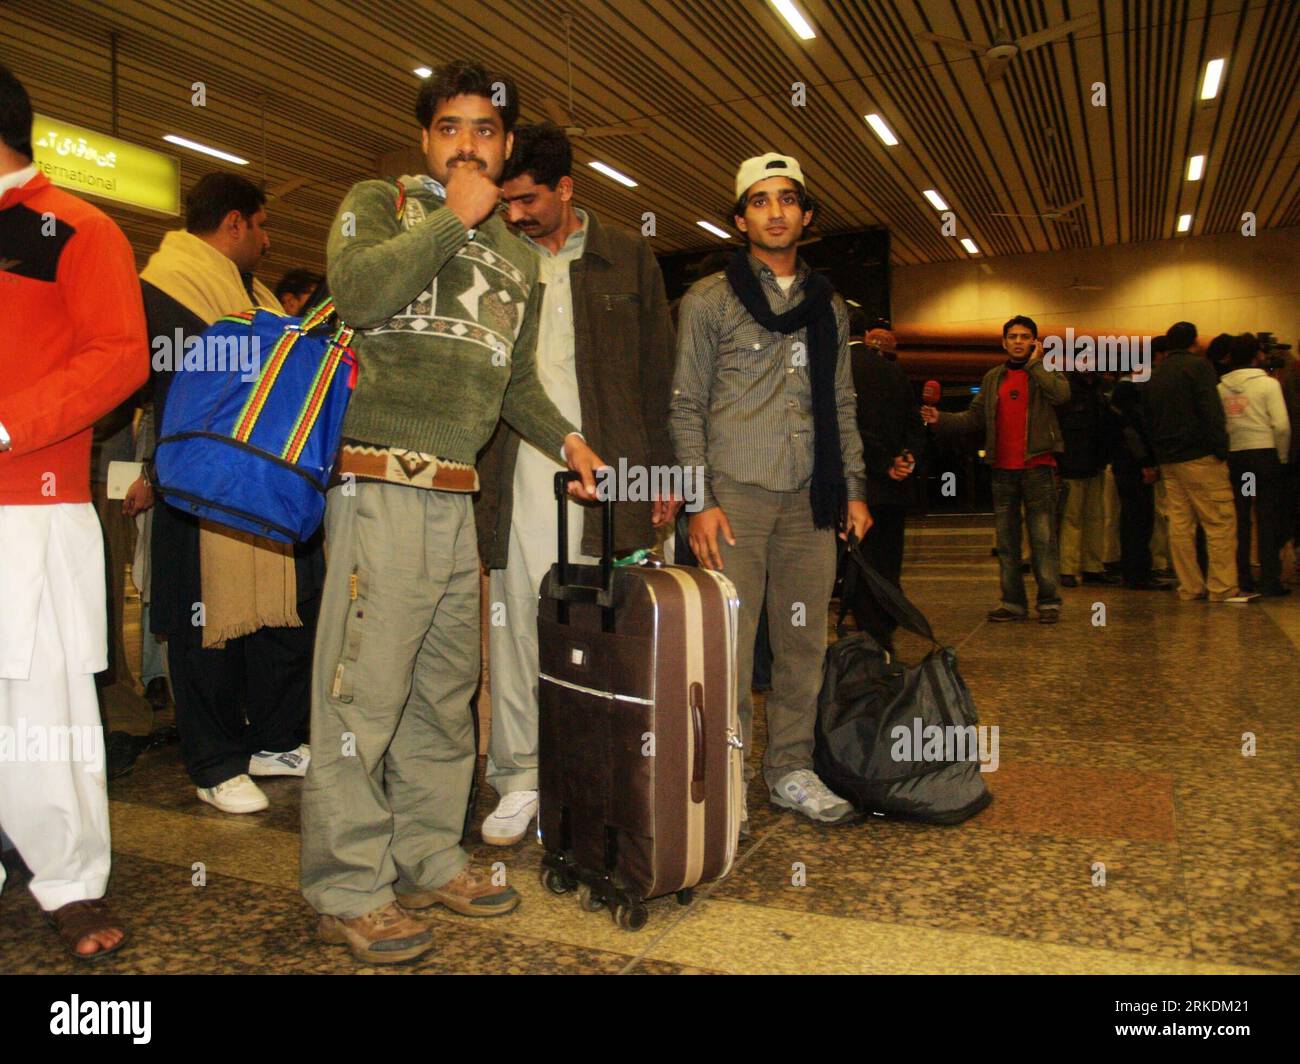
x=889, y=421
x=1080, y=421
x=1127, y=436
x=1184, y=412
x=176, y=581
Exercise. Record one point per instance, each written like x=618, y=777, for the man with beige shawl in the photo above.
x=237, y=611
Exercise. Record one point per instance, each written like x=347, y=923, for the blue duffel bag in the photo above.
x=255, y=450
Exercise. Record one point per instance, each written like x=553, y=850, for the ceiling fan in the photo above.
x=1079, y=287
x=564, y=118
x=1004, y=47
x=290, y=184
x=285, y=187
x=1052, y=214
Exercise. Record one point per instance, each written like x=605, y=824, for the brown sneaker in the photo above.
x=383, y=936
x=468, y=894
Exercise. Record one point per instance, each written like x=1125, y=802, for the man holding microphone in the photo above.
x=1015, y=409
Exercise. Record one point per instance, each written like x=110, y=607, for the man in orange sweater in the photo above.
x=72, y=328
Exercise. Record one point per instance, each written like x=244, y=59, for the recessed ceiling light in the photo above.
x=1195, y=167
x=194, y=145
x=794, y=19
x=714, y=230
x=1184, y=223
x=935, y=199
x=881, y=130
x=1213, y=76
x=609, y=171
x=969, y=245
x=422, y=72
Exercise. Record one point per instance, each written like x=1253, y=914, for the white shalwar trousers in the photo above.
x=53, y=639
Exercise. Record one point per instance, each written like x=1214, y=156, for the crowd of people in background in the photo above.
x=1197, y=456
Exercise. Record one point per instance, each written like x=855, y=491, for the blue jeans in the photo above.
x=1036, y=489
x=152, y=656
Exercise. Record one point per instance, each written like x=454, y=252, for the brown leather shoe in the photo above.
x=467, y=893
x=383, y=936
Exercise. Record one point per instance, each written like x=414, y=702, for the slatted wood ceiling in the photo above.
x=710, y=81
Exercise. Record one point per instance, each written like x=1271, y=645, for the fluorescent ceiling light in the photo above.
x=1184, y=223
x=969, y=245
x=422, y=72
x=795, y=20
x=881, y=130
x=935, y=199
x=194, y=145
x=714, y=230
x=609, y=171
x=1213, y=75
x=1195, y=167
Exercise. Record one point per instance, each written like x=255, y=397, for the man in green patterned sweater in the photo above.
x=444, y=300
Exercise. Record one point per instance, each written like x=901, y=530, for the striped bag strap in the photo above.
x=318, y=315
x=257, y=397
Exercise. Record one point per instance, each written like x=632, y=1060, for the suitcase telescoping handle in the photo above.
x=561, y=588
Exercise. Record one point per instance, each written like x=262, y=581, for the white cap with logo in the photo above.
x=761, y=167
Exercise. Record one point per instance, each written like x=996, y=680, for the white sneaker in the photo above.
x=509, y=821
x=237, y=795
x=289, y=763
x=803, y=792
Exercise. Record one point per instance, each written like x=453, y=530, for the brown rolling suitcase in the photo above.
x=639, y=749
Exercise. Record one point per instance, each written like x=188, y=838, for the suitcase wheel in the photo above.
x=587, y=901
x=631, y=917
x=556, y=882
x=685, y=897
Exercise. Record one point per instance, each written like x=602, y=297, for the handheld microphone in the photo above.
x=931, y=393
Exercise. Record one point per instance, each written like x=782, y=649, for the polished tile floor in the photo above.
x=1120, y=746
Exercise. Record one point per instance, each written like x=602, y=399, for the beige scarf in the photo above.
x=247, y=582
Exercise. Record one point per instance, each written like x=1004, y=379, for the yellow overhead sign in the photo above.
x=96, y=164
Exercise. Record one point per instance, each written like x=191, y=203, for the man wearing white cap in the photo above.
x=763, y=401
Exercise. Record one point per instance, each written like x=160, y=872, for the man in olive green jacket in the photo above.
x=1021, y=435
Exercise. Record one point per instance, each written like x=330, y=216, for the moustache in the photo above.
x=462, y=159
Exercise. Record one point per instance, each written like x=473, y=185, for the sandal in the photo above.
x=79, y=919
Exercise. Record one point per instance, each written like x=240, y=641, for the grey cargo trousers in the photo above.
x=396, y=663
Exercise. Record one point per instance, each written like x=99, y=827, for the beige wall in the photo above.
x=1226, y=283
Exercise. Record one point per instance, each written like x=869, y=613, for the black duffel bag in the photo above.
x=876, y=740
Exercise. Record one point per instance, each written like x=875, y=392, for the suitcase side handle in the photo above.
x=697, y=727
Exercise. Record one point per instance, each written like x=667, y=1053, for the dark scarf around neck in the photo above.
x=828, y=494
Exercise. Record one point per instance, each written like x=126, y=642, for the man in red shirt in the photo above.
x=1015, y=408
x=73, y=329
